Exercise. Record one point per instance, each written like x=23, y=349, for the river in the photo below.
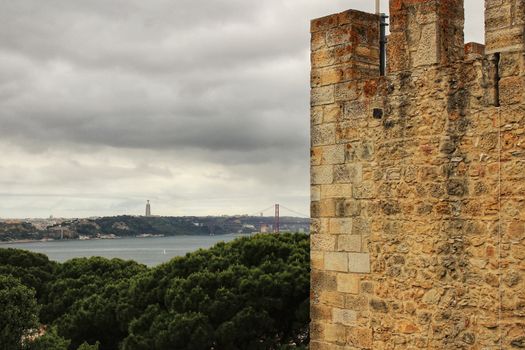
x=150, y=251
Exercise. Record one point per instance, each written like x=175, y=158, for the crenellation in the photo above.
x=425, y=32
x=418, y=189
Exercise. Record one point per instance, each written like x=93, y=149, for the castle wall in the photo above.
x=418, y=182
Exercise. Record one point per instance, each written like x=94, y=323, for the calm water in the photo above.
x=150, y=251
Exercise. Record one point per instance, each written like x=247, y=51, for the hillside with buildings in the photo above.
x=142, y=226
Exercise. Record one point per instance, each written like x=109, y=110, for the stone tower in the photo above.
x=148, y=209
x=418, y=180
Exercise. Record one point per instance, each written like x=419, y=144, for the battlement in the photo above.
x=344, y=47
x=504, y=26
x=425, y=32
x=418, y=180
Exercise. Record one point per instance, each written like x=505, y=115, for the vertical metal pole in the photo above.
x=276, y=219
x=378, y=7
x=382, y=45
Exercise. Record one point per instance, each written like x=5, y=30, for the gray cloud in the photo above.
x=201, y=106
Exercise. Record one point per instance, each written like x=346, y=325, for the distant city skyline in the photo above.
x=201, y=107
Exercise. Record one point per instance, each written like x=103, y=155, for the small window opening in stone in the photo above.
x=377, y=113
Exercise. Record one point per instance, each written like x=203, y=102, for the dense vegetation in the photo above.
x=135, y=225
x=251, y=293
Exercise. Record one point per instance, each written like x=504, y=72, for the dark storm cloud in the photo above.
x=167, y=74
x=221, y=74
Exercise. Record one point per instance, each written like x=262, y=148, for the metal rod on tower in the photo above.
x=276, y=219
x=382, y=44
x=378, y=7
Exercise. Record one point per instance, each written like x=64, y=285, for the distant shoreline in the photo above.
x=46, y=240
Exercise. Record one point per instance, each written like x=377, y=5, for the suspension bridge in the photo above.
x=277, y=209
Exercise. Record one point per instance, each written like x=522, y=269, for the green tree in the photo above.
x=49, y=341
x=18, y=312
x=252, y=293
x=86, y=346
x=80, y=278
x=33, y=269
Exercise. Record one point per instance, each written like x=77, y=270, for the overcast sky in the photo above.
x=200, y=106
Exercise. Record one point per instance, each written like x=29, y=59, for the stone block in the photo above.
x=316, y=115
x=359, y=262
x=345, y=92
x=338, y=35
x=326, y=76
x=315, y=193
x=340, y=226
x=323, y=58
x=322, y=174
x=333, y=154
x=475, y=49
x=498, y=17
x=332, y=298
x=316, y=260
x=323, y=134
x=511, y=90
x=364, y=190
x=356, y=302
x=359, y=337
x=352, y=207
x=327, y=208
x=323, y=281
x=336, y=261
x=316, y=155
x=427, y=52
x=314, y=209
x=515, y=231
x=322, y=95
x=504, y=40
x=349, y=243
x=361, y=226
x=321, y=313
x=510, y=64
x=336, y=191
x=354, y=110
x=348, y=283
x=333, y=332
x=318, y=345
x=332, y=113
x=348, y=173
x=343, y=316
x=318, y=41
x=322, y=242
x=324, y=23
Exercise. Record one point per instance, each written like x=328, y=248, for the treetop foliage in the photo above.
x=252, y=293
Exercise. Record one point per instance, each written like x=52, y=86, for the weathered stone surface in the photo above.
x=348, y=283
x=349, y=243
x=323, y=242
x=340, y=225
x=359, y=262
x=336, y=261
x=321, y=174
x=322, y=95
x=343, y=316
x=418, y=180
x=336, y=191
